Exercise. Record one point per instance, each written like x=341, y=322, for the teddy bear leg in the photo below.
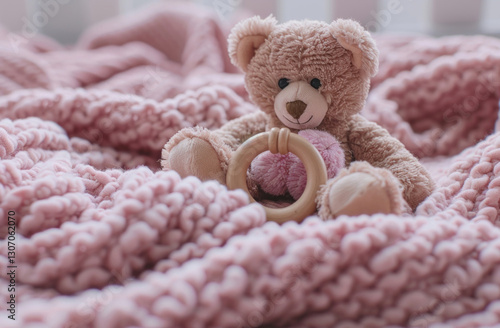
x=197, y=152
x=361, y=189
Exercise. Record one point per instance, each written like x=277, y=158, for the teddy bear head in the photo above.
x=305, y=74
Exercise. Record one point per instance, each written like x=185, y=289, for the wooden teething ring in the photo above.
x=282, y=141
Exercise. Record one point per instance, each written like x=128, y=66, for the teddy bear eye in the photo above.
x=315, y=83
x=283, y=83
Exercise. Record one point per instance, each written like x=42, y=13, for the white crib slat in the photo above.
x=456, y=16
x=102, y=9
x=226, y=8
x=263, y=8
x=63, y=20
x=401, y=16
x=490, y=22
x=456, y=11
x=131, y=5
x=359, y=10
x=300, y=9
x=12, y=14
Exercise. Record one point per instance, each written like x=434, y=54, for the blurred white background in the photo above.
x=64, y=20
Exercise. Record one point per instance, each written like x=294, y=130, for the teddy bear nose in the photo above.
x=296, y=108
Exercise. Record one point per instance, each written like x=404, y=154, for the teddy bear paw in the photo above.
x=359, y=193
x=197, y=157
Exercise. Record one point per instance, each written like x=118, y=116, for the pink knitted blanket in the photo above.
x=105, y=239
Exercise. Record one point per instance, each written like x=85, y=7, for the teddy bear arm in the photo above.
x=237, y=131
x=371, y=143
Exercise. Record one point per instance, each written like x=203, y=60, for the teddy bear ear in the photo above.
x=246, y=37
x=353, y=37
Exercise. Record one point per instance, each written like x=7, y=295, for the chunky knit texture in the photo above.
x=106, y=239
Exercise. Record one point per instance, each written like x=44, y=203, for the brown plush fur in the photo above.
x=343, y=56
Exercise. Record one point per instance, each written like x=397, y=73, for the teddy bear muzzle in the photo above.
x=300, y=106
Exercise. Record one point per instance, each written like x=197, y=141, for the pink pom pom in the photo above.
x=276, y=174
x=329, y=149
x=270, y=172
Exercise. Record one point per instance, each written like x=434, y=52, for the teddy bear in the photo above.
x=310, y=75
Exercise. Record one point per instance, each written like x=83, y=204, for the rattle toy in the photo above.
x=282, y=141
